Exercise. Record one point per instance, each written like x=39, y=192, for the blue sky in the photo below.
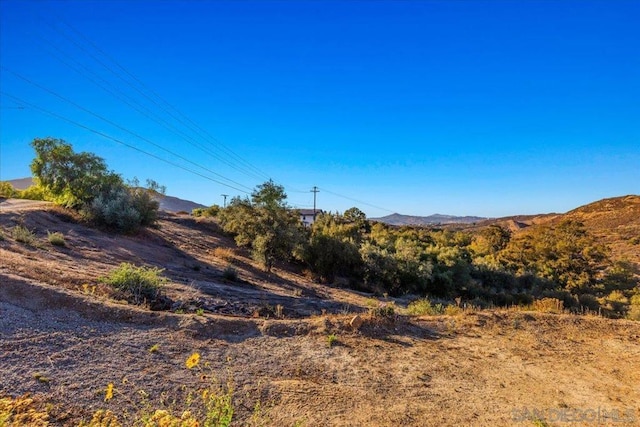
x=460, y=107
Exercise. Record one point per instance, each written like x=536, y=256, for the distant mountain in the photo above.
x=399, y=219
x=22, y=183
x=174, y=204
x=167, y=203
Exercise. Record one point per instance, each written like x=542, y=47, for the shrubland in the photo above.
x=560, y=264
x=560, y=261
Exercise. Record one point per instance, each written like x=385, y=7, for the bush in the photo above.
x=634, y=308
x=424, y=307
x=114, y=209
x=589, y=301
x=22, y=234
x=211, y=211
x=548, y=305
x=140, y=284
x=7, y=190
x=34, y=192
x=452, y=310
x=146, y=206
x=383, y=310
x=123, y=208
x=230, y=273
x=56, y=239
x=616, y=302
x=224, y=253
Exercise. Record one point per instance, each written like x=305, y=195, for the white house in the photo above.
x=308, y=216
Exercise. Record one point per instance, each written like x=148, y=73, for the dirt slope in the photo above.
x=63, y=342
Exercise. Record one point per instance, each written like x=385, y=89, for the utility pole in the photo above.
x=315, y=191
x=225, y=200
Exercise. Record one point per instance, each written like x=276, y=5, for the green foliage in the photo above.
x=34, y=192
x=622, y=275
x=383, y=311
x=123, y=208
x=140, y=284
x=211, y=211
x=73, y=179
x=616, y=303
x=7, y=191
x=490, y=241
x=23, y=235
x=56, y=238
x=82, y=181
x=380, y=271
x=564, y=254
x=424, y=307
x=269, y=195
x=331, y=339
x=143, y=202
x=332, y=249
x=634, y=308
x=115, y=209
x=265, y=224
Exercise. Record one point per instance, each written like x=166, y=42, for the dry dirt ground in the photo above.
x=62, y=341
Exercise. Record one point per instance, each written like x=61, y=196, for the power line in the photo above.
x=97, y=132
x=139, y=107
x=356, y=200
x=191, y=125
x=117, y=125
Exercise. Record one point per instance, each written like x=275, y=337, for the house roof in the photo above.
x=309, y=211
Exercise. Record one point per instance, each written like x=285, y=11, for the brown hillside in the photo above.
x=517, y=222
x=615, y=221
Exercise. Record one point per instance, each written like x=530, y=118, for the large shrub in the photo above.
x=7, y=190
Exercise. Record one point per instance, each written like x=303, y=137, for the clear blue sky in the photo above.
x=487, y=108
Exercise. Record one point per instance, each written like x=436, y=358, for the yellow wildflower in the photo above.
x=108, y=393
x=193, y=360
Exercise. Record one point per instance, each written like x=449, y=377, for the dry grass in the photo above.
x=226, y=254
x=23, y=235
x=56, y=238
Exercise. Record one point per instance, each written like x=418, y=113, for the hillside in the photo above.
x=518, y=222
x=616, y=222
x=64, y=339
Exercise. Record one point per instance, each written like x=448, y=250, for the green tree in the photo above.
x=565, y=254
x=490, y=240
x=265, y=223
x=73, y=179
x=81, y=181
x=332, y=249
